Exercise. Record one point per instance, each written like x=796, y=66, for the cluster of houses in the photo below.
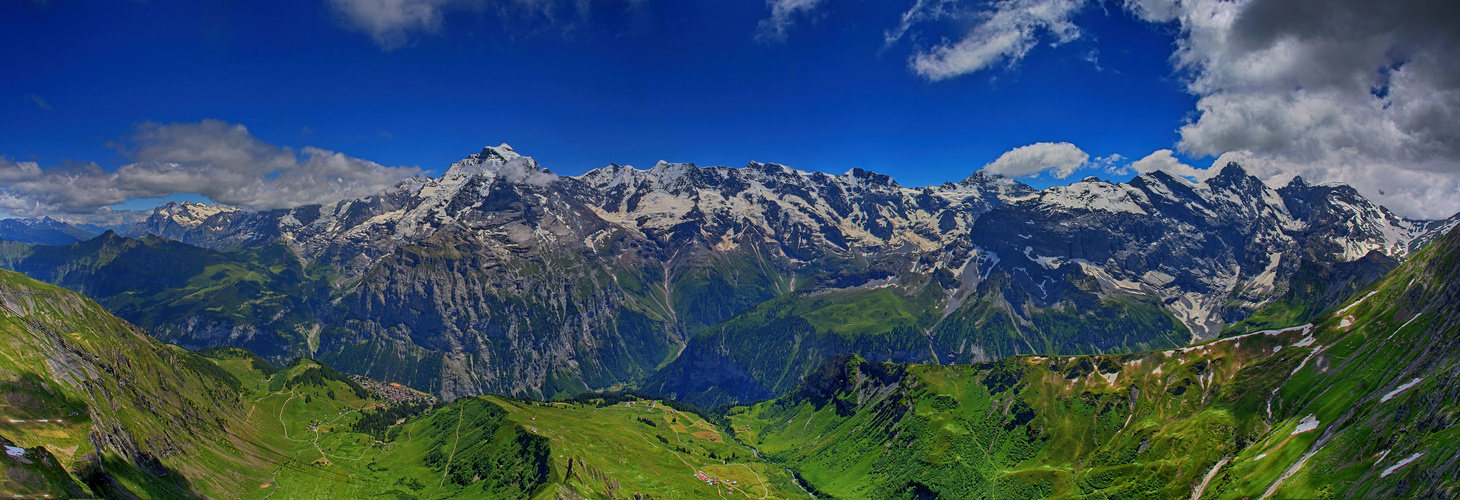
x=393, y=393
x=712, y=480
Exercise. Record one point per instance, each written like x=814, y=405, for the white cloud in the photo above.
x=13, y=171
x=390, y=22
x=1061, y=158
x=62, y=189
x=1163, y=160
x=1354, y=91
x=1004, y=33
x=783, y=15
x=522, y=170
x=221, y=161
x=1110, y=164
x=921, y=11
x=1157, y=11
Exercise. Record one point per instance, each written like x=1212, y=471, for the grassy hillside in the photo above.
x=1358, y=404
x=125, y=414
x=765, y=351
x=90, y=406
x=987, y=327
x=258, y=298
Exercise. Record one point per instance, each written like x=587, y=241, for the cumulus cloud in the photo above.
x=221, y=161
x=1163, y=160
x=1355, y=91
x=783, y=16
x=14, y=171
x=1003, y=33
x=64, y=188
x=1059, y=158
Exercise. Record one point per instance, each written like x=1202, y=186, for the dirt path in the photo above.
x=285, y=425
x=1196, y=493
x=459, y=416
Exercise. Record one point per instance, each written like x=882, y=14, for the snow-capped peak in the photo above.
x=189, y=214
x=489, y=159
x=503, y=151
x=665, y=173
x=502, y=161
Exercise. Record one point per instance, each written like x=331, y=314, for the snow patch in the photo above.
x=1400, y=389
x=1305, y=342
x=1045, y=262
x=1356, y=302
x=1307, y=424
x=14, y=451
x=1401, y=464
x=1259, y=457
x=1306, y=328
x=1265, y=282
x=1401, y=327
x=1094, y=196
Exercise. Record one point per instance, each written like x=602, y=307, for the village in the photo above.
x=393, y=393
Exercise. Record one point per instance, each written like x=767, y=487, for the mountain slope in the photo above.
x=46, y=231
x=91, y=406
x=260, y=298
x=1356, y=404
x=123, y=412
x=500, y=276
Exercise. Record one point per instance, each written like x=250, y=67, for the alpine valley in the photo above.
x=852, y=338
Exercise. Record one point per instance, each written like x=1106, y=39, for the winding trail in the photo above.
x=459, y=415
x=1196, y=493
x=285, y=426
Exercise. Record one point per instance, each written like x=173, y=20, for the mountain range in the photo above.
x=715, y=284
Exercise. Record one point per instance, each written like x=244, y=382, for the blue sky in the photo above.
x=625, y=82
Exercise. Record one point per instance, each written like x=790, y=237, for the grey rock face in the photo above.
x=500, y=276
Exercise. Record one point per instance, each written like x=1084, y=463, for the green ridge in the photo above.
x=1156, y=424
